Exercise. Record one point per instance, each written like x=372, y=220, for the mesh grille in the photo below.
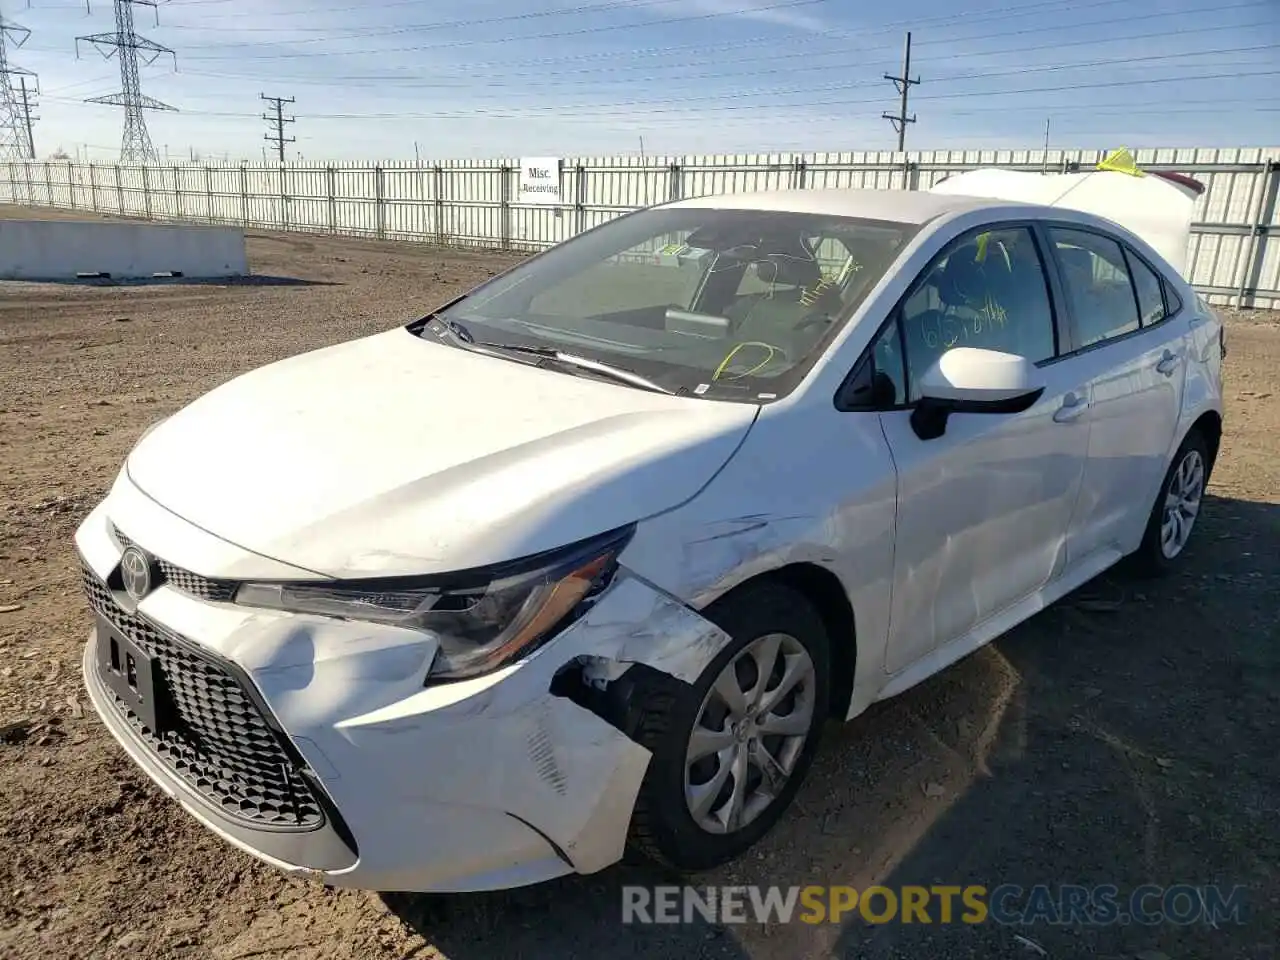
x=203, y=588
x=220, y=743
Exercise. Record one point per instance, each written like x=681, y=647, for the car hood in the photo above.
x=391, y=455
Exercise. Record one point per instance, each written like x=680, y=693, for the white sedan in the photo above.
x=584, y=559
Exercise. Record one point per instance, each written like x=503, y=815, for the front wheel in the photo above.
x=730, y=752
x=1177, y=507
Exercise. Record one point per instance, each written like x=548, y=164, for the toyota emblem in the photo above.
x=135, y=571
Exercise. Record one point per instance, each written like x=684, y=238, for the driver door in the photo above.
x=984, y=509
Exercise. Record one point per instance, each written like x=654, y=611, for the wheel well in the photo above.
x=1210, y=426
x=825, y=591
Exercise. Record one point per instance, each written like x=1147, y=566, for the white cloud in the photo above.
x=800, y=18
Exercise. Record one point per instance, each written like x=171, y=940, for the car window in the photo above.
x=889, y=369
x=1147, y=285
x=717, y=304
x=1097, y=283
x=987, y=290
x=660, y=271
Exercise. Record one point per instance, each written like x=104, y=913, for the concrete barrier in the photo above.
x=67, y=249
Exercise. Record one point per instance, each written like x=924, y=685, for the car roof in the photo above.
x=904, y=206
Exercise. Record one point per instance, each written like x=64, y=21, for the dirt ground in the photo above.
x=1127, y=735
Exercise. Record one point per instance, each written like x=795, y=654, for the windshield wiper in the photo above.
x=461, y=333
x=620, y=374
x=453, y=327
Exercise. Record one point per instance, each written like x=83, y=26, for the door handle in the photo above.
x=1169, y=363
x=1073, y=406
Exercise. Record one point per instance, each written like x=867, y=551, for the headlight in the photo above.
x=480, y=619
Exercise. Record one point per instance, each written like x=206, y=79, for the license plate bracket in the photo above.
x=133, y=676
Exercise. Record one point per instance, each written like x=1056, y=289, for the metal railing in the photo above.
x=1233, y=256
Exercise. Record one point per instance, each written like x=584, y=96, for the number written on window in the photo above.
x=987, y=290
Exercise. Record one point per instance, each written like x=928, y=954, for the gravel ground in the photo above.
x=1127, y=735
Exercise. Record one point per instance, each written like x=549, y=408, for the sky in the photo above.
x=450, y=79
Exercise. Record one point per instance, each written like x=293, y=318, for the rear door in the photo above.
x=1130, y=347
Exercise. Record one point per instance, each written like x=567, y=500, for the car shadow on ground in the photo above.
x=1123, y=736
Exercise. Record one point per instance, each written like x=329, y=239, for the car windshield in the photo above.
x=726, y=304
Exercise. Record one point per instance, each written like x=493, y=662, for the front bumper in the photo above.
x=480, y=784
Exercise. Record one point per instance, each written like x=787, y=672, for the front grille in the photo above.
x=219, y=741
x=203, y=588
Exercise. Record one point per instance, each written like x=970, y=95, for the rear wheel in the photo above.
x=1177, y=507
x=730, y=752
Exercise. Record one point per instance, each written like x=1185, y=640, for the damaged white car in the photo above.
x=586, y=558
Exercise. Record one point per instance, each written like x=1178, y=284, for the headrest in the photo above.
x=963, y=278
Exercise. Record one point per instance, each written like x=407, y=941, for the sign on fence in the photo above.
x=539, y=180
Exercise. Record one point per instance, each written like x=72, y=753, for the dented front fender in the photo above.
x=506, y=742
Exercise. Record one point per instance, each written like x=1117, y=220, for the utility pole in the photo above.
x=125, y=43
x=904, y=84
x=26, y=116
x=277, y=123
x=15, y=132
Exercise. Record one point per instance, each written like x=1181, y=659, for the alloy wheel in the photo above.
x=749, y=733
x=1182, y=504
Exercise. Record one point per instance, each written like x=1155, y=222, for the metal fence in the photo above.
x=1234, y=254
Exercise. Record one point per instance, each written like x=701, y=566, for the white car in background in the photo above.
x=586, y=558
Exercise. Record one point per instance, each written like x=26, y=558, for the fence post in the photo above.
x=146, y=189
x=505, y=207
x=177, y=194
x=439, y=193
x=244, y=195
x=331, y=194
x=1268, y=187
x=580, y=198
x=48, y=185
x=31, y=186
x=797, y=174
x=208, y=193
x=93, y=187
x=284, y=197
x=71, y=185
x=379, y=196
x=119, y=191
x=675, y=187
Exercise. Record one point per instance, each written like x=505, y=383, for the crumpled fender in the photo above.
x=553, y=764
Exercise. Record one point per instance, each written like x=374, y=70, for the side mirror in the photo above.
x=971, y=380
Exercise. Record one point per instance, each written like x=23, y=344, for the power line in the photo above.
x=844, y=85
x=700, y=49
x=135, y=141
x=15, y=124
x=904, y=84
x=593, y=113
x=312, y=12
x=581, y=31
x=276, y=123
x=532, y=89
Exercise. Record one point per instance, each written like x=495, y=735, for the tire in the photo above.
x=1153, y=558
x=663, y=826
